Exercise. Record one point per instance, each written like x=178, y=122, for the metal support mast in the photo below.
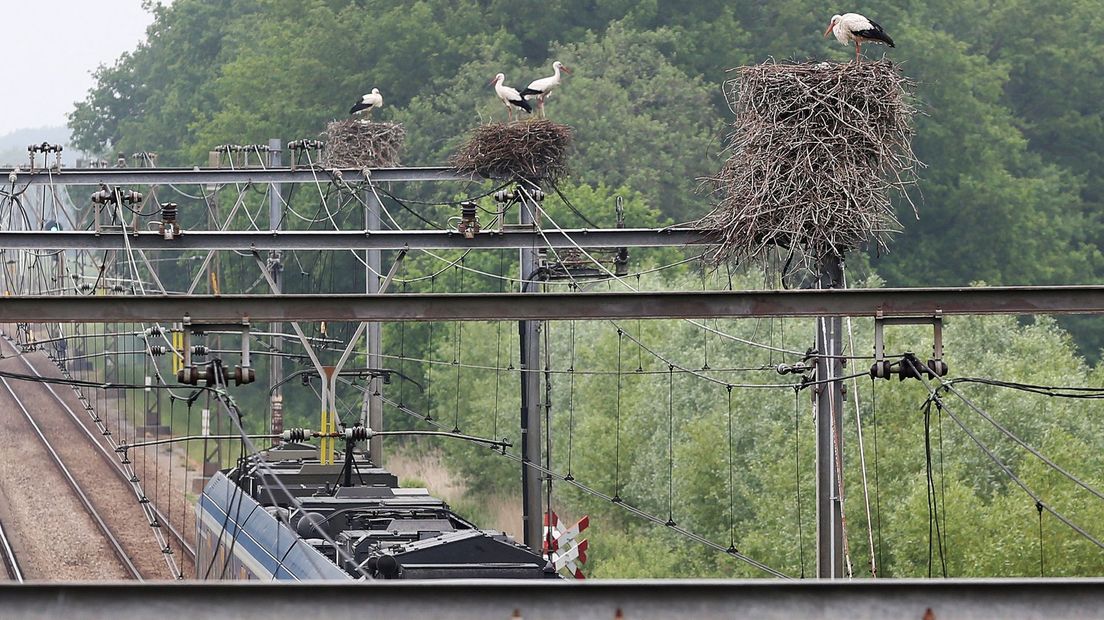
x=829, y=445
x=373, y=397
x=529, y=340
x=276, y=270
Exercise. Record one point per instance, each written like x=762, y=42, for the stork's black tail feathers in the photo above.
x=523, y=104
x=877, y=33
x=529, y=92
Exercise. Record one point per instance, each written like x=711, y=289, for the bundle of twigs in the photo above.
x=360, y=143
x=533, y=150
x=816, y=151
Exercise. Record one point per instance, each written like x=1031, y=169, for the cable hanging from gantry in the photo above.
x=937, y=400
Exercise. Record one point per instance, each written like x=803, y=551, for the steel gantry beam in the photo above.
x=225, y=176
x=643, y=599
x=353, y=240
x=557, y=306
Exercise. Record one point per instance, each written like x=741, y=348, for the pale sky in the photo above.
x=49, y=49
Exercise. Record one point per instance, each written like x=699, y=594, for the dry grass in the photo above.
x=359, y=143
x=500, y=512
x=532, y=150
x=816, y=152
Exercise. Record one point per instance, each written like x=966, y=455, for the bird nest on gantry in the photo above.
x=533, y=150
x=358, y=143
x=817, y=151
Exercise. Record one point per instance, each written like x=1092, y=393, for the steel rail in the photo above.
x=203, y=240
x=226, y=176
x=555, y=306
x=113, y=461
x=11, y=563
x=113, y=542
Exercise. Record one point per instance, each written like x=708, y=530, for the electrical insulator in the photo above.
x=881, y=369
x=169, y=227
x=103, y=196
x=504, y=195
x=939, y=367
x=242, y=376
x=469, y=219
x=200, y=349
x=159, y=349
x=357, y=433
x=153, y=331
x=296, y=434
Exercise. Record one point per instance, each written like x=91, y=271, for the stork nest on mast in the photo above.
x=534, y=150
x=362, y=143
x=816, y=153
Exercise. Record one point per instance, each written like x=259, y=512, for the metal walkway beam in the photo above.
x=556, y=306
x=225, y=176
x=353, y=240
x=963, y=599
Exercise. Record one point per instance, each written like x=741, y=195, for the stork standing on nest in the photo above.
x=857, y=29
x=367, y=103
x=543, y=87
x=510, y=97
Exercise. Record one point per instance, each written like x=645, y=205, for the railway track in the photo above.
x=11, y=563
x=112, y=540
x=113, y=461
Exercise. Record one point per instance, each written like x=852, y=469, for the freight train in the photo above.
x=283, y=515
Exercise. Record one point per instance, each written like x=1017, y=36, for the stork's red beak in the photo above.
x=565, y=68
x=493, y=80
x=829, y=30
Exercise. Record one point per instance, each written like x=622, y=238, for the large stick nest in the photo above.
x=360, y=143
x=816, y=152
x=533, y=150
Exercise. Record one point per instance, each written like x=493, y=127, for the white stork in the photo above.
x=367, y=103
x=510, y=97
x=857, y=29
x=543, y=87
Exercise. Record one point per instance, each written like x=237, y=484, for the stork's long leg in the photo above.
x=858, y=52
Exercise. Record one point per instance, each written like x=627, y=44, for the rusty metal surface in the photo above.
x=558, y=306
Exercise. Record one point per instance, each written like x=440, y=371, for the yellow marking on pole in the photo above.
x=178, y=346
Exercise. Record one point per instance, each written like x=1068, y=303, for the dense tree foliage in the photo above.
x=1011, y=135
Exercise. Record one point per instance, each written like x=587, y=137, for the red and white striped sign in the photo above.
x=563, y=547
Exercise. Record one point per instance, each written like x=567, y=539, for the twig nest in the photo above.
x=534, y=150
x=816, y=151
x=361, y=143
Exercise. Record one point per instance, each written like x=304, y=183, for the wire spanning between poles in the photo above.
x=670, y=447
x=949, y=387
x=731, y=479
x=934, y=396
x=617, y=428
x=862, y=456
x=622, y=281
